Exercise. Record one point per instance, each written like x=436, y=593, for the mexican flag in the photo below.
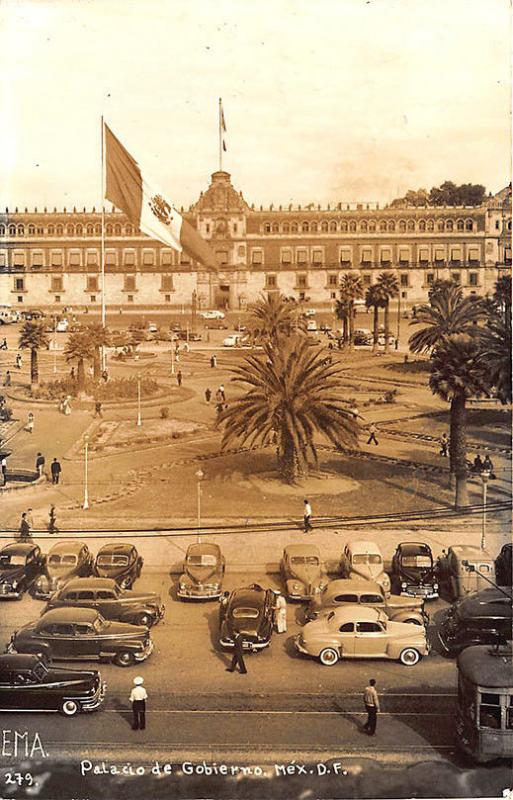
x=147, y=208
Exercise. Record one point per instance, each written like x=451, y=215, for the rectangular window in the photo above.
x=345, y=257
x=405, y=280
x=366, y=255
x=19, y=299
x=167, y=283
x=472, y=278
x=333, y=295
x=3, y=259
x=473, y=255
x=130, y=298
x=167, y=298
x=332, y=280
x=129, y=284
x=74, y=259
x=270, y=281
x=366, y=279
x=92, y=283
x=256, y=257
x=439, y=255
x=110, y=258
x=37, y=259
x=93, y=298
x=56, y=259
x=185, y=258
x=92, y=258
x=149, y=258
x=166, y=258
x=423, y=255
x=57, y=298
x=19, y=259
x=386, y=256
x=286, y=256
x=19, y=284
x=301, y=256
x=222, y=257
x=56, y=283
x=317, y=257
x=129, y=258
x=430, y=278
x=301, y=281
x=456, y=278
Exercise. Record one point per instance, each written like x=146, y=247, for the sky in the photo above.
x=326, y=101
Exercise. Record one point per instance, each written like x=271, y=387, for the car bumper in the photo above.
x=144, y=654
x=426, y=592
x=249, y=647
x=96, y=701
x=8, y=593
x=199, y=593
x=299, y=647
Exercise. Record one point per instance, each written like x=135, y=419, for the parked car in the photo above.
x=413, y=570
x=66, y=559
x=216, y=325
x=382, y=339
x=356, y=592
x=82, y=634
x=30, y=683
x=363, y=559
x=303, y=572
x=189, y=336
x=62, y=326
x=32, y=314
x=362, y=336
x=503, y=565
x=213, y=314
x=105, y=596
x=203, y=572
x=20, y=564
x=454, y=576
x=250, y=612
x=152, y=327
x=310, y=312
x=358, y=632
x=311, y=326
x=325, y=327
x=119, y=560
x=484, y=617
x=234, y=340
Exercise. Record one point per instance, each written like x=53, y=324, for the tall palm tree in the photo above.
x=273, y=316
x=387, y=284
x=293, y=394
x=33, y=337
x=79, y=348
x=502, y=295
x=100, y=337
x=342, y=313
x=456, y=375
x=495, y=355
x=447, y=313
x=375, y=299
x=351, y=289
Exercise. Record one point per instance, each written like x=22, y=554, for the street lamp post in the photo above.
x=85, y=504
x=54, y=344
x=199, y=476
x=398, y=320
x=139, y=418
x=485, y=475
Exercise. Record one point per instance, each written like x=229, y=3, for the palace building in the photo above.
x=53, y=258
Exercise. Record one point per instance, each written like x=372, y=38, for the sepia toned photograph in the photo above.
x=255, y=400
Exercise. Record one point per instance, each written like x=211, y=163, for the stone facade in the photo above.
x=52, y=258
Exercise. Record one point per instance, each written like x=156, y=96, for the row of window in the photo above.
x=369, y=226
x=366, y=254
x=271, y=281
x=66, y=230
x=76, y=258
x=92, y=283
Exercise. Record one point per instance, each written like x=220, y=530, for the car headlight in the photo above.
x=296, y=587
x=14, y=583
x=182, y=587
x=42, y=582
x=435, y=587
x=403, y=584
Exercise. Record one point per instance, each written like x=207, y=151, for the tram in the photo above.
x=485, y=702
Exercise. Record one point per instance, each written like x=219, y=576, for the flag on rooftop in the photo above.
x=147, y=208
x=222, y=125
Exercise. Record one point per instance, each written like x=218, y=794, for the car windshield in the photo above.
x=67, y=559
x=367, y=558
x=245, y=613
x=11, y=560
x=100, y=624
x=202, y=560
x=312, y=561
x=111, y=560
x=40, y=671
x=416, y=561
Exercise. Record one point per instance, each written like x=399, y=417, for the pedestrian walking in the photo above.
x=30, y=518
x=444, y=445
x=222, y=394
x=66, y=406
x=307, y=516
x=219, y=408
x=56, y=470
x=7, y=379
x=208, y=395
x=29, y=427
x=238, y=655
x=372, y=434
x=371, y=702
x=18, y=361
x=105, y=376
x=488, y=466
x=179, y=378
x=40, y=464
x=3, y=465
x=3, y=346
x=280, y=613
x=138, y=697
x=24, y=528
x=98, y=409
x=52, y=520
x=213, y=362
x=477, y=466
x=72, y=373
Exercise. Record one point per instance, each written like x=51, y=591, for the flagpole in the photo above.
x=103, y=234
x=220, y=138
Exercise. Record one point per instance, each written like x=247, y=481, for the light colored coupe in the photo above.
x=363, y=559
x=349, y=632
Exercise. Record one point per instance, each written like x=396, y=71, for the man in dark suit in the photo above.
x=238, y=655
x=56, y=471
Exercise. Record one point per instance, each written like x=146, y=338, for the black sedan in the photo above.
x=414, y=572
x=30, y=683
x=81, y=634
x=503, y=565
x=20, y=565
x=250, y=612
x=119, y=560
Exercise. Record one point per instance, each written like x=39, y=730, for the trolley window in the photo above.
x=490, y=710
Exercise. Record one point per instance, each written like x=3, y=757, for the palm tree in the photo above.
x=33, y=337
x=456, y=375
x=495, y=355
x=342, y=313
x=374, y=298
x=447, y=313
x=387, y=284
x=273, y=316
x=79, y=348
x=100, y=337
x=293, y=395
x=502, y=295
x=351, y=289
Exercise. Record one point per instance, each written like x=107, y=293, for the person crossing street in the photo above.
x=371, y=702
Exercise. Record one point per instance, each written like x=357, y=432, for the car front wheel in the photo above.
x=69, y=708
x=124, y=659
x=328, y=656
x=409, y=657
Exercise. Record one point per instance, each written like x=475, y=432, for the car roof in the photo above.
x=487, y=666
x=353, y=585
x=67, y=546
x=305, y=549
x=69, y=615
x=363, y=546
x=115, y=547
x=247, y=595
x=18, y=661
x=356, y=614
x=488, y=602
x=19, y=547
x=470, y=551
x=413, y=547
x=204, y=547
x=76, y=584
